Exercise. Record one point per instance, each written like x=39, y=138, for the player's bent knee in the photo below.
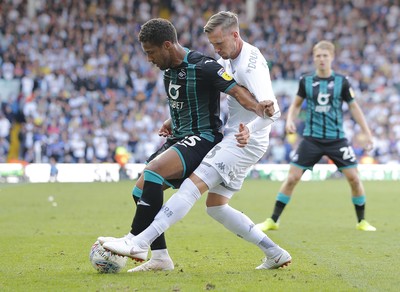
x=293, y=179
x=188, y=192
x=216, y=200
x=216, y=212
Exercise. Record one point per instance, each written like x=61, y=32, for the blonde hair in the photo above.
x=226, y=19
x=325, y=45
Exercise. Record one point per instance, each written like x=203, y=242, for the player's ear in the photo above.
x=167, y=45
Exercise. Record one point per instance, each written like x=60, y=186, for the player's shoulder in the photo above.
x=195, y=57
x=249, y=48
x=252, y=52
x=208, y=65
x=340, y=75
x=345, y=79
x=306, y=75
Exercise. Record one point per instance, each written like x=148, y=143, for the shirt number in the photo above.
x=348, y=153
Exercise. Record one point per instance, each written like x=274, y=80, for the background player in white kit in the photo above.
x=225, y=167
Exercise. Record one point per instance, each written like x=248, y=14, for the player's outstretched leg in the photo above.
x=241, y=225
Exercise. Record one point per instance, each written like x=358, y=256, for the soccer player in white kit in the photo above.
x=225, y=167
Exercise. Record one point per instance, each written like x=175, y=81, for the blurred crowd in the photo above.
x=74, y=77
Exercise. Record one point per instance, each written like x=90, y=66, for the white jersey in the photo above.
x=250, y=70
x=227, y=162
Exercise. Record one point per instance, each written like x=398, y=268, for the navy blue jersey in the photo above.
x=325, y=96
x=193, y=90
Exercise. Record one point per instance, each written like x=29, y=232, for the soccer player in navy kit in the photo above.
x=325, y=91
x=193, y=83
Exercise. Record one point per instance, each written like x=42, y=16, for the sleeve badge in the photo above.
x=221, y=72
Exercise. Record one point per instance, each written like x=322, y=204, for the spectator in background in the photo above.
x=53, y=170
x=5, y=126
x=4, y=148
x=102, y=34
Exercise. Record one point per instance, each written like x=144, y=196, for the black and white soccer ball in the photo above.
x=105, y=261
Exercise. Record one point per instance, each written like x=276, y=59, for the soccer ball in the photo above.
x=105, y=261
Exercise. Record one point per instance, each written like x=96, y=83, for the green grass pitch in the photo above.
x=45, y=247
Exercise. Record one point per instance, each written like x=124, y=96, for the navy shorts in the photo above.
x=311, y=150
x=191, y=150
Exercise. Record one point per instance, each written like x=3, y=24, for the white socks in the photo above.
x=241, y=225
x=174, y=210
x=180, y=204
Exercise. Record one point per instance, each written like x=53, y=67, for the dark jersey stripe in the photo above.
x=310, y=106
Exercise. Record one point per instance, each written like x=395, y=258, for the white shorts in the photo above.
x=226, y=166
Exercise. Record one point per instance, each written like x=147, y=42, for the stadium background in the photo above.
x=75, y=84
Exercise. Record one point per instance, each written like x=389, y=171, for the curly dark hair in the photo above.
x=156, y=31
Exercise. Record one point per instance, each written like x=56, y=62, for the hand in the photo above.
x=265, y=108
x=243, y=136
x=166, y=129
x=368, y=143
x=290, y=127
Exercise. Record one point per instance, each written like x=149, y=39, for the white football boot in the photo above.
x=281, y=259
x=129, y=248
x=164, y=264
x=140, y=257
x=103, y=239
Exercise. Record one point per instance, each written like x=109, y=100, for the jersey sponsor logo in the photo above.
x=252, y=60
x=176, y=104
x=323, y=100
x=173, y=90
x=322, y=108
x=221, y=72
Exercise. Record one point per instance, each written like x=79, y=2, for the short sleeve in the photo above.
x=217, y=76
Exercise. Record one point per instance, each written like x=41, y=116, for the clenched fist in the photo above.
x=265, y=108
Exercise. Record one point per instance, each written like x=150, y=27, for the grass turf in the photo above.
x=47, y=231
